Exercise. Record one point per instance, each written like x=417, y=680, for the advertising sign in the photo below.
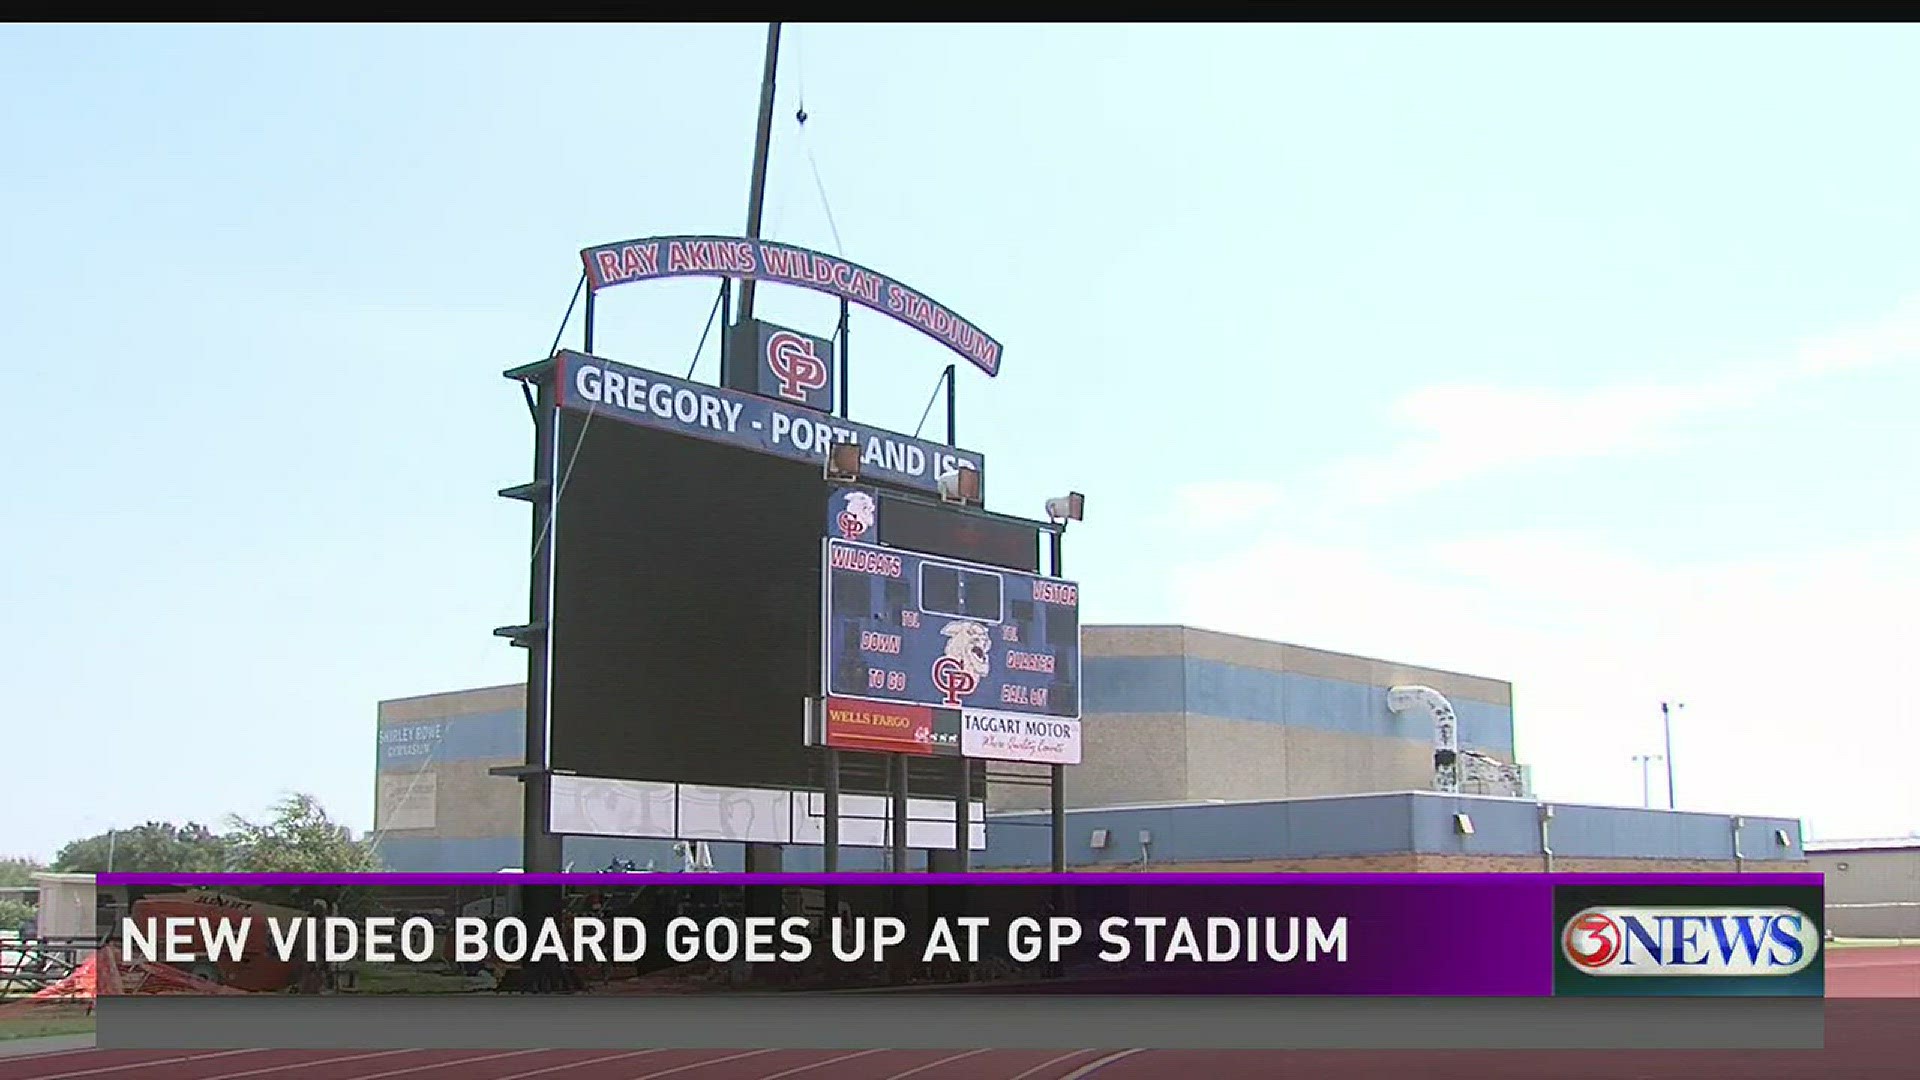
x=782, y=364
x=655, y=257
x=751, y=422
x=1042, y=740
x=921, y=630
x=880, y=726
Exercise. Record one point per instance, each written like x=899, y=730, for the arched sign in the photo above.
x=729, y=256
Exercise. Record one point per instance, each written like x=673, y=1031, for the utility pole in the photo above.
x=760, y=858
x=1646, y=783
x=762, y=140
x=1666, y=724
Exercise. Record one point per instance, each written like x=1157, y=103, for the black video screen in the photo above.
x=940, y=530
x=686, y=616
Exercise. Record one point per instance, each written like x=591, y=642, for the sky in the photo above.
x=1579, y=357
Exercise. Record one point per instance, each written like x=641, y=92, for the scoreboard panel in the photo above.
x=917, y=629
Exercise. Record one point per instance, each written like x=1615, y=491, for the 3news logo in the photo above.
x=1689, y=941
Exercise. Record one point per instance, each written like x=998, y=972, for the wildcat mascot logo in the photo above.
x=856, y=518
x=968, y=657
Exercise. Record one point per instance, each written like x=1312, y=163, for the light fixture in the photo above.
x=1463, y=824
x=961, y=485
x=1098, y=840
x=1069, y=507
x=1780, y=837
x=843, y=461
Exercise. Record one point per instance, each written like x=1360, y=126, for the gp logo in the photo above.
x=796, y=366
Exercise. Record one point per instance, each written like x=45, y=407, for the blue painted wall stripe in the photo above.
x=1172, y=684
x=491, y=736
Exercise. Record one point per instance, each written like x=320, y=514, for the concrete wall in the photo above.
x=1871, y=893
x=1399, y=826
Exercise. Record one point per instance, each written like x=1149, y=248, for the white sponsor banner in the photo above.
x=591, y=806
x=1002, y=736
x=744, y=815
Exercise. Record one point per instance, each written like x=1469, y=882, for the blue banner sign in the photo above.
x=922, y=630
x=650, y=399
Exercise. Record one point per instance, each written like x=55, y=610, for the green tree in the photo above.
x=299, y=839
x=15, y=914
x=155, y=847
x=18, y=871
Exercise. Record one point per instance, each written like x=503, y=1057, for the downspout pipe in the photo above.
x=1446, y=730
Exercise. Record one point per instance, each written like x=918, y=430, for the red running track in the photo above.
x=1865, y=1038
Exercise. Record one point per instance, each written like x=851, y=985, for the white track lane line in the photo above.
x=816, y=1064
x=942, y=1061
x=144, y=1064
x=683, y=1068
x=308, y=1064
x=1093, y=1066
x=1049, y=1063
x=577, y=1064
x=421, y=1068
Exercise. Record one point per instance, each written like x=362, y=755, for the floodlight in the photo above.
x=961, y=485
x=1069, y=507
x=843, y=461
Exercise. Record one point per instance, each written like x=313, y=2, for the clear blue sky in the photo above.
x=1581, y=357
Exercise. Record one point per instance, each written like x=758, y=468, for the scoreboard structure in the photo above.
x=720, y=634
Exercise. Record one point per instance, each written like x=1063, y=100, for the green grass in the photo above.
x=39, y=1027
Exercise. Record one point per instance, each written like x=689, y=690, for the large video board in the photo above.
x=686, y=614
x=914, y=629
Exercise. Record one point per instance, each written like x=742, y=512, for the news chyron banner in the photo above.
x=1433, y=935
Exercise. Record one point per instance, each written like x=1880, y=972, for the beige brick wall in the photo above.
x=1276, y=656
x=453, y=703
x=1127, y=759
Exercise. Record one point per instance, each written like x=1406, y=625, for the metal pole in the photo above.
x=1059, y=792
x=831, y=861
x=952, y=438
x=962, y=817
x=846, y=394
x=897, y=764
x=762, y=137
x=586, y=344
x=760, y=858
x=539, y=849
x=1666, y=722
x=726, y=330
x=1646, y=781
